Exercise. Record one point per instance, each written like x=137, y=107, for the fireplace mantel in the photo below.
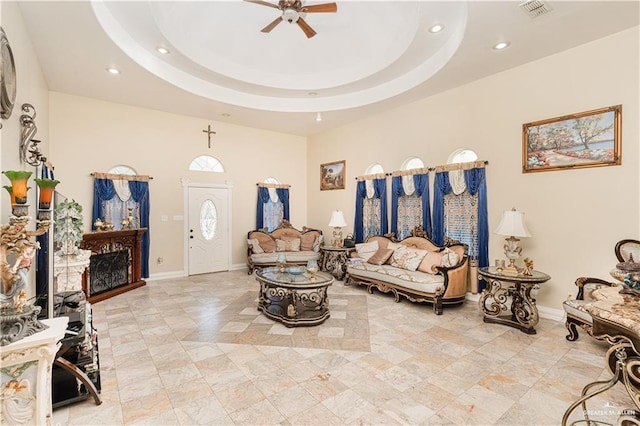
x=122, y=247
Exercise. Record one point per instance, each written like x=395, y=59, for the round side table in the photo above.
x=334, y=260
x=501, y=287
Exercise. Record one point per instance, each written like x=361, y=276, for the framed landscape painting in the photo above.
x=586, y=139
x=332, y=175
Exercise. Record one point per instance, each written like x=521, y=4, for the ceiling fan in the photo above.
x=292, y=11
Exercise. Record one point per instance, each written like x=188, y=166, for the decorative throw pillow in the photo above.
x=268, y=245
x=307, y=240
x=255, y=246
x=288, y=244
x=317, y=243
x=407, y=258
x=430, y=261
x=394, y=246
x=449, y=258
x=366, y=250
x=380, y=257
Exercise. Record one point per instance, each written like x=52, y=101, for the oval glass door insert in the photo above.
x=208, y=219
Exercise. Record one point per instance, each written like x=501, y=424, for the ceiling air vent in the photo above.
x=535, y=8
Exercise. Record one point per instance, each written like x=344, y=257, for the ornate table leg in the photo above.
x=524, y=313
x=497, y=296
x=335, y=262
x=523, y=307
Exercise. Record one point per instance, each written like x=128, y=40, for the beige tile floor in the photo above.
x=196, y=351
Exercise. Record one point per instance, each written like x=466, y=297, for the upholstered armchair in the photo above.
x=577, y=316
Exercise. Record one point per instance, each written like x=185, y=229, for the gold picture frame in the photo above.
x=586, y=139
x=333, y=175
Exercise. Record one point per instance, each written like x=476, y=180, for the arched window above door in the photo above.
x=206, y=163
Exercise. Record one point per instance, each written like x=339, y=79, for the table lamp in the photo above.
x=512, y=225
x=337, y=222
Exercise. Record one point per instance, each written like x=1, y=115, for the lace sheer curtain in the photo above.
x=460, y=212
x=272, y=206
x=113, y=195
x=410, y=202
x=371, y=206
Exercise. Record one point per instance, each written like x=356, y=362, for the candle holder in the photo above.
x=18, y=317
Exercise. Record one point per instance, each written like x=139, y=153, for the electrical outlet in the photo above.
x=160, y=260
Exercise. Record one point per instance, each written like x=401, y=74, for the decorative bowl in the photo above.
x=294, y=270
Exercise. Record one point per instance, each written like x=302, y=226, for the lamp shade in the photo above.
x=337, y=219
x=512, y=224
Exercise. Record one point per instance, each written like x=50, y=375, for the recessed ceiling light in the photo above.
x=501, y=45
x=312, y=93
x=225, y=114
x=113, y=71
x=163, y=50
x=318, y=117
x=436, y=28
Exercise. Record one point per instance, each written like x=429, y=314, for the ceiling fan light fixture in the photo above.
x=290, y=15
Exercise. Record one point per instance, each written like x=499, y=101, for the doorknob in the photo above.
x=190, y=230
x=191, y=236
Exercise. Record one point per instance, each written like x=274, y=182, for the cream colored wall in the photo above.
x=575, y=216
x=93, y=136
x=31, y=88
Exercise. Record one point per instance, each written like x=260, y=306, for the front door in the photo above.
x=208, y=230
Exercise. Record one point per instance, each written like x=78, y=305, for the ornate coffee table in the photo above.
x=616, y=319
x=294, y=300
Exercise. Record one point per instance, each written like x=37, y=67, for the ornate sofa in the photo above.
x=299, y=247
x=434, y=280
x=577, y=316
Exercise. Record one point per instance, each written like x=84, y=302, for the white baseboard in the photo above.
x=239, y=267
x=167, y=275
x=543, y=311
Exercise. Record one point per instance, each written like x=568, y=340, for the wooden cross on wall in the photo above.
x=209, y=132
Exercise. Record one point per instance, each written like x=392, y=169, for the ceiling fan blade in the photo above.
x=320, y=8
x=306, y=28
x=264, y=3
x=272, y=25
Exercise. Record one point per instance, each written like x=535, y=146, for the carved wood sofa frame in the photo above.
x=452, y=292
x=284, y=229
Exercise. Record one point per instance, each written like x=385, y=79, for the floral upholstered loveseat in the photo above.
x=299, y=247
x=415, y=268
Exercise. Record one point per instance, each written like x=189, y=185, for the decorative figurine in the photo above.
x=528, y=267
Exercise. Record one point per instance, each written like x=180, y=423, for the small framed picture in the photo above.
x=585, y=139
x=332, y=175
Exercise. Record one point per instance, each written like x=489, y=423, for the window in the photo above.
x=374, y=169
x=208, y=220
x=122, y=170
x=462, y=155
x=274, y=209
x=412, y=163
x=206, y=163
